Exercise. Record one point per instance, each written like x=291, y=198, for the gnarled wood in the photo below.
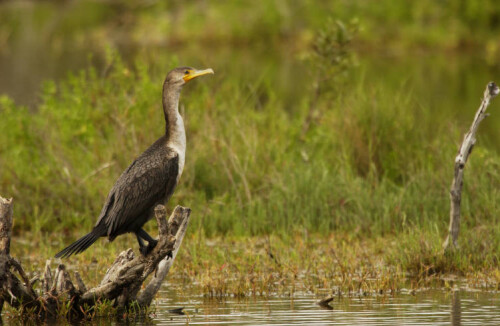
x=177, y=226
x=121, y=283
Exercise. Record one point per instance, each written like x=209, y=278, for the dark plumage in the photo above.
x=150, y=180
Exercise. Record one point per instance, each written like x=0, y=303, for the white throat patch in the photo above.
x=177, y=141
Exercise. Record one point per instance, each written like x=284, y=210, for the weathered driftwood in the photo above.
x=451, y=241
x=120, y=285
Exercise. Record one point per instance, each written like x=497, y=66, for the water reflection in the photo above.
x=429, y=307
x=456, y=311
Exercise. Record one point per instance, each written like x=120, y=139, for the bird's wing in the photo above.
x=147, y=181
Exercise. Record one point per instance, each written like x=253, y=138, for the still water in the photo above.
x=432, y=307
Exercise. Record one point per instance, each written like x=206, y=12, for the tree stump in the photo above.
x=121, y=285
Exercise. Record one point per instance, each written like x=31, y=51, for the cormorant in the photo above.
x=149, y=180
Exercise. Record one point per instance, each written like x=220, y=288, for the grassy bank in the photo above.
x=304, y=263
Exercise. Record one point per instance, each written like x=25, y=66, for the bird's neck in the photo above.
x=170, y=107
x=174, y=124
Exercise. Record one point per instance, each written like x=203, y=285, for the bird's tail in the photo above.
x=79, y=245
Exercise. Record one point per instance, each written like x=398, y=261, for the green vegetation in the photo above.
x=102, y=311
x=452, y=24
x=348, y=173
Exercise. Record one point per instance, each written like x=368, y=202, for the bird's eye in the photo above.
x=186, y=72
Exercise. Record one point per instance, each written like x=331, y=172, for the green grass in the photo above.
x=363, y=164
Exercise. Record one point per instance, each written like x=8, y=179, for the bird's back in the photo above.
x=149, y=180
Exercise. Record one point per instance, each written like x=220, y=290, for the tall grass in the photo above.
x=372, y=162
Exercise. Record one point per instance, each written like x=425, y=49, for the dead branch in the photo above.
x=5, y=225
x=120, y=285
x=178, y=227
x=468, y=143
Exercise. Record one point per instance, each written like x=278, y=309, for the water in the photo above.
x=433, y=307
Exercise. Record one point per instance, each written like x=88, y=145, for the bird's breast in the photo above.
x=182, y=158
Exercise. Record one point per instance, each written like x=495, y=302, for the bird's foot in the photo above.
x=145, y=250
x=170, y=254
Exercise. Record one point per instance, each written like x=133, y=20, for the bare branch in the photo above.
x=465, y=150
x=5, y=225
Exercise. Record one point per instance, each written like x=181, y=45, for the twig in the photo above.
x=14, y=263
x=96, y=171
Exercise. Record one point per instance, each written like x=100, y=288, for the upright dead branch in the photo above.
x=5, y=225
x=5, y=234
x=177, y=228
x=120, y=285
x=451, y=241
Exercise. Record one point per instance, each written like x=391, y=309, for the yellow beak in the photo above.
x=197, y=73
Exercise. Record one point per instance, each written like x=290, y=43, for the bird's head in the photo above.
x=181, y=75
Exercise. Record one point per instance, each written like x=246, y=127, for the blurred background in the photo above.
x=322, y=115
